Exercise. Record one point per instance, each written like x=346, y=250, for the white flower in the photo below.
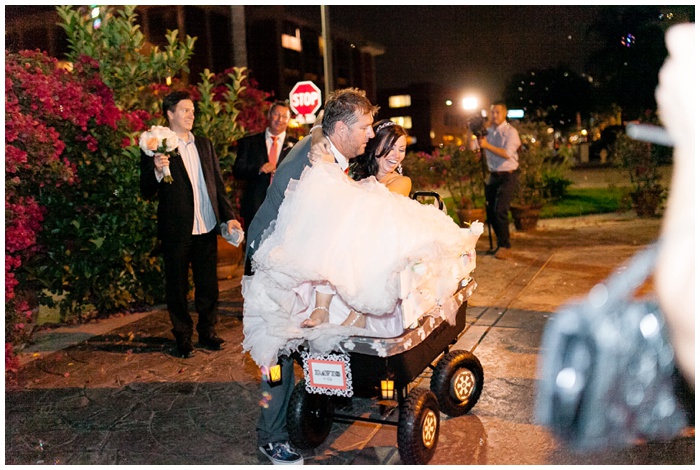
x=159, y=139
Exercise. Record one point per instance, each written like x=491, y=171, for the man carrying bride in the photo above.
x=363, y=244
x=347, y=123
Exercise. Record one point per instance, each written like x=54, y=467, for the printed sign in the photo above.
x=328, y=374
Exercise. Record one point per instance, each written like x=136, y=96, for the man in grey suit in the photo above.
x=347, y=124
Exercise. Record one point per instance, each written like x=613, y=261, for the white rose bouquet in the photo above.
x=159, y=139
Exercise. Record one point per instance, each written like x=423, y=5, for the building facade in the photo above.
x=280, y=45
x=432, y=115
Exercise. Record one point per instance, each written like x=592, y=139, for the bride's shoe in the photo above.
x=318, y=316
x=356, y=319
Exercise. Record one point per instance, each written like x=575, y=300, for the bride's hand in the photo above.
x=321, y=151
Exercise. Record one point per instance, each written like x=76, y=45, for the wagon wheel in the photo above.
x=419, y=427
x=457, y=382
x=309, y=417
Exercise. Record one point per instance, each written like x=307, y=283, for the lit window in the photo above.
x=403, y=121
x=399, y=101
x=292, y=42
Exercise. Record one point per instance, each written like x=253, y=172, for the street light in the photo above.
x=470, y=103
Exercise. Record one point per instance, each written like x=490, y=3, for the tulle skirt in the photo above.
x=382, y=253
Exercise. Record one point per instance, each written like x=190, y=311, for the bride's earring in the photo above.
x=399, y=169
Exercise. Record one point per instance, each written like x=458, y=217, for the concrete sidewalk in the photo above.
x=111, y=392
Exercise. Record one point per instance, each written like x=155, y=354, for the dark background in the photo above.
x=474, y=48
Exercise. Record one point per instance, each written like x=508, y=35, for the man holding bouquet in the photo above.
x=191, y=204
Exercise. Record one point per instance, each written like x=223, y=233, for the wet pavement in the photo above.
x=111, y=392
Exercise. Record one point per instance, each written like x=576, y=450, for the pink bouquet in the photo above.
x=159, y=139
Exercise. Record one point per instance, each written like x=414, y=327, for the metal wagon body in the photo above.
x=385, y=368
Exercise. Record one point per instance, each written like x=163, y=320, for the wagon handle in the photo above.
x=418, y=194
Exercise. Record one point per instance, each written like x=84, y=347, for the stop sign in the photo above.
x=305, y=100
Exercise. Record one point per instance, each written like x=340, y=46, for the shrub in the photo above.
x=91, y=247
x=452, y=167
x=77, y=233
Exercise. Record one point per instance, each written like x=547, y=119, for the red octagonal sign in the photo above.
x=305, y=99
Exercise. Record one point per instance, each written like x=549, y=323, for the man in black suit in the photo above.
x=190, y=209
x=257, y=158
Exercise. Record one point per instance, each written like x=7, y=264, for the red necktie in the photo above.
x=347, y=171
x=272, y=154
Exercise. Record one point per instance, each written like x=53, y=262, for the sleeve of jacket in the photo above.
x=225, y=208
x=246, y=167
x=148, y=181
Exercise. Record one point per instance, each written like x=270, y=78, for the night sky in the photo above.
x=471, y=48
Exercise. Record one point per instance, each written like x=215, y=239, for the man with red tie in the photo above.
x=257, y=158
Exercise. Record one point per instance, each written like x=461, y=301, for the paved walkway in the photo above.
x=111, y=392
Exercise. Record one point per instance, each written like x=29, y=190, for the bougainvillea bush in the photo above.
x=77, y=233
x=76, y=229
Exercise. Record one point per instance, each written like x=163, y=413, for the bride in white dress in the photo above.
x=382, y=253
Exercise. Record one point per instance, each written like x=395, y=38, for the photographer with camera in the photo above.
x=500, y=144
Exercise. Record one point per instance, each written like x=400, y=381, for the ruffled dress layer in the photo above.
x=384, y=254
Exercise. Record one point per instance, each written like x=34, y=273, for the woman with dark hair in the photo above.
x=383, y=156
x=345, y=264
x=382, y=160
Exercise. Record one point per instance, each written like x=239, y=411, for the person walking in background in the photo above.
x=347, y=123
x=190, y=208
x=500, y=146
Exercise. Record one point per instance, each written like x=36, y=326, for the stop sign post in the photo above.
x=305, y=101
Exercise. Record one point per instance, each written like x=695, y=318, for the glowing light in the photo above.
x=649, y=326
x=584, y=132
x=566, y=378
x=387, y=389
x=515, y=113
x=627, y=41
x=275, y=373
x=470, y=103
x=448, y=102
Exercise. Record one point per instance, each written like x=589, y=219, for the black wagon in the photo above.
x=385, y=368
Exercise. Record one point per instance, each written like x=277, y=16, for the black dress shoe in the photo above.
x=212, y=342
x=184, y=348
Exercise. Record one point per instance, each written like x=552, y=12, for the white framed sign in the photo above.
x=328, y=374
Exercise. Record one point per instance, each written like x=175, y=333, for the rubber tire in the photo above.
x=453, y=369
x=309, y=417
x=418, y=415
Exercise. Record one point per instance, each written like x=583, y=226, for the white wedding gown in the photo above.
x=384, y=254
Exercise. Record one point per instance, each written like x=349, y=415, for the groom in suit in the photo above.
x=190, y=209
x=347, y=124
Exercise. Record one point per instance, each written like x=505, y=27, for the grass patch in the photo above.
x=586, y=201
x=576, y=202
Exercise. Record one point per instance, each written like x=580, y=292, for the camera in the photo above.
x=607, y=371
x=477, y=126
